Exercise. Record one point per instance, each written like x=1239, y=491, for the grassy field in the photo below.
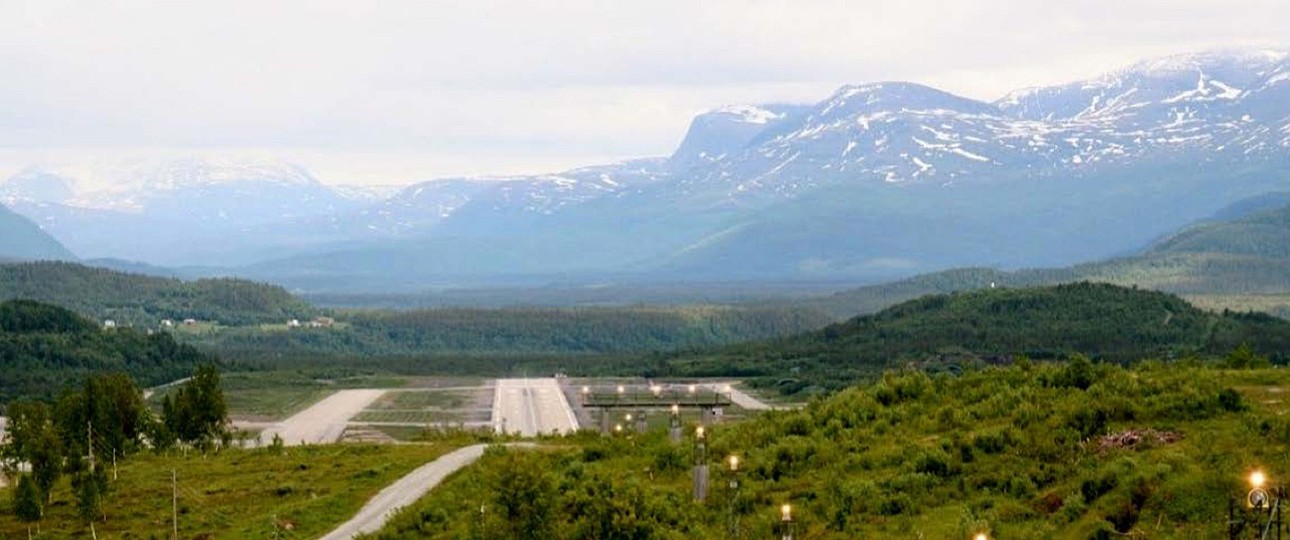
x=410, y=417
x=274, y=395
x=1276, y=304
x=235, y=494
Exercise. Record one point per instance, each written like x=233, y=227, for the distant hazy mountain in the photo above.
x=1244, y=254
x=20, y=239
x=876, y=181
x=175, y=212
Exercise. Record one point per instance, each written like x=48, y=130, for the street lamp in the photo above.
x=700, y=465
x=732, y=517
x=674, y=427
x=1262, y=510
x=786, y=521
x=1257, y=497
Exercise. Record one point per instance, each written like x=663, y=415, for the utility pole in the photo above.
x=89, y=441
x=174, y=503
x=89, y=445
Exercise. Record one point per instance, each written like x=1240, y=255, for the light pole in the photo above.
x=674, y=430
x=1260, y=504
x=788, y=526
x=733, y=515
x=700, y=465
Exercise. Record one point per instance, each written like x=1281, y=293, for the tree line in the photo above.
x=953, y=331
x=88, y=428
x=45, y=347
x=144, y=301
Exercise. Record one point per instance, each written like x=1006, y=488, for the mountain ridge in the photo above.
x=876, y=181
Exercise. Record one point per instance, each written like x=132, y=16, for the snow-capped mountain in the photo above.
x=1209, y=107
x=877, y=180
x=716, y=134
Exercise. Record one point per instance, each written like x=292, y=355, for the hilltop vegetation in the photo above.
x=132, y=299
x=1103, y=321
x=1076, y=451
x=578, y=331
x=44, y=349
x=1247, y=253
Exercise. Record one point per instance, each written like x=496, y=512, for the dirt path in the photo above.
x=323, y=422
x=403, y=492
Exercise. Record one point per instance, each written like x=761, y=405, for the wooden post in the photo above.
x=174, y=503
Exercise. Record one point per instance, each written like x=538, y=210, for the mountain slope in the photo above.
x=22, y=239
x=189, y=211
x=1100, y=320
x=875, y=182
x=131, y=299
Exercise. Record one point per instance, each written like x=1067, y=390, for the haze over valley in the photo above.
x=653, y=271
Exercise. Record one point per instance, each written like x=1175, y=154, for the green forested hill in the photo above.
x=1218, y=261
x=599, y=330
x=44, y=348
x=20, y=239
x=143, y=300
x=1261, y=234
x=1103, y=321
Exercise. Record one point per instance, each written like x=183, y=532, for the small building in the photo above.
x=167, y=323
x=293, y=323
x=190, y=322
x=323, y=322
x=109, y=323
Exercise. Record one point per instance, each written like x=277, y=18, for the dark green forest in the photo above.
x=575, y=331
x=44, y=349
x=143, y=301
x=949, y=331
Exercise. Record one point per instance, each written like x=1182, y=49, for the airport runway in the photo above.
x=530, y=407
x=323, y=422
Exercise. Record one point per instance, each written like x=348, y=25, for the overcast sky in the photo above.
x=394, y=92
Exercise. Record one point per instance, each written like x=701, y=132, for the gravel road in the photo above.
x=532, y=406
x=325, y=421
x=404, y=492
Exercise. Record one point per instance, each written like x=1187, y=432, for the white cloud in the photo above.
x=493, y=86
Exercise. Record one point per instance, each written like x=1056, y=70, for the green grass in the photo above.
x=235, y=494
x=1013, y=451
x=409, y=417
x=1275, y=304
x=274, y=395
x=428, y=400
